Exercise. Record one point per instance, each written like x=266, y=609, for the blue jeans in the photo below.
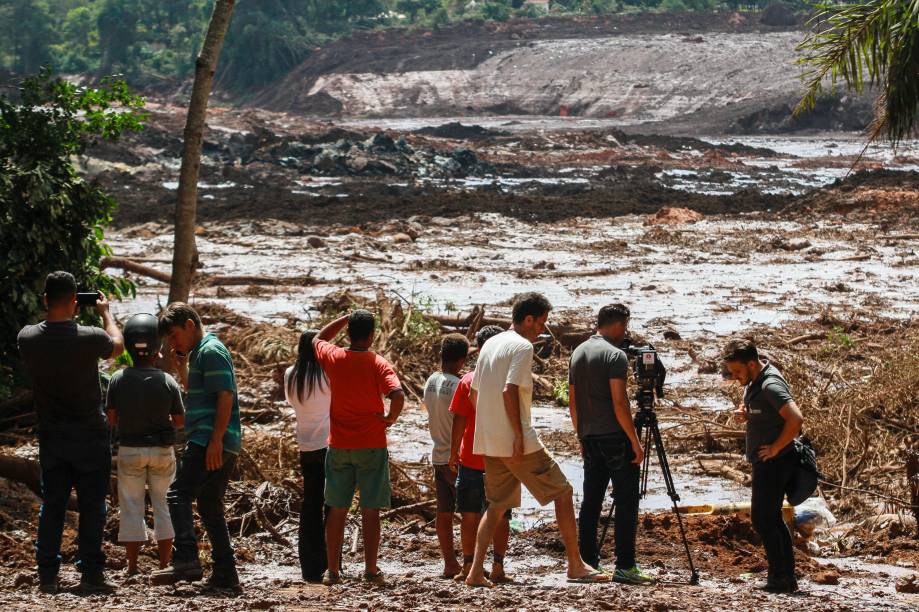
x=80, y=460
x=194, y=482
x=609, y=458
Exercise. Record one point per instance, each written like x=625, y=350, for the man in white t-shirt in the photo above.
x=502, y=390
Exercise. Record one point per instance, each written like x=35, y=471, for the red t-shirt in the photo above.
x=359, y=380
x=462, y=406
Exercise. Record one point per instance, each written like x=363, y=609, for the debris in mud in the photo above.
x=457, y=130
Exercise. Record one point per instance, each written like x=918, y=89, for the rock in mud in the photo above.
x=670, y=215
x=908, y=584
x=22, y=580
x=316, y=242
x=828, y=577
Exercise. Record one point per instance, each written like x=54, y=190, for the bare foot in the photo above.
x=451, y=570
x=463, y=573
x=478, y=579
x=498, y=576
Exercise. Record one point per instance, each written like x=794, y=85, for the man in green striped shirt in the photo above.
x=213, y=440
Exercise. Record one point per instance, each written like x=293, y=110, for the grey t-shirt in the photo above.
x=144, y=398
x=763, y=398
x=438, y=393
x=593, y=364
x=62, y=359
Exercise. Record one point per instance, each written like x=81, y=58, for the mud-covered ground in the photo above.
x=702, y=237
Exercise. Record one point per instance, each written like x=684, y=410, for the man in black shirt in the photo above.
x=62, y=360
x=773, y=422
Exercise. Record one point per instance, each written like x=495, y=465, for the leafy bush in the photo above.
x=50, y=218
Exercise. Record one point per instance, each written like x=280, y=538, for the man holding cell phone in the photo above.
x=74, y=452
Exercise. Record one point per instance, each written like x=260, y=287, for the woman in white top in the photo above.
x=307, y=391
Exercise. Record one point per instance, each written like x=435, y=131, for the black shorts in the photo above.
x=470, y=492
x=445, y=488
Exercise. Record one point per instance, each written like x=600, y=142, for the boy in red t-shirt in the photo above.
x=359, y=379
x=470, y=468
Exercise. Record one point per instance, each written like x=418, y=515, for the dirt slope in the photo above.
x=635, y=68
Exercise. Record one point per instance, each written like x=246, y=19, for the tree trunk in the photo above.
x=185, y=253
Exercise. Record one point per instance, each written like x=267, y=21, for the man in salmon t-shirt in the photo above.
x=358, y=458
x=470, y=478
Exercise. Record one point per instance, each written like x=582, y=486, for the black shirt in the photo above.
x=593, y=363
x=62, y=359
x=144, y=398
x=763, y=398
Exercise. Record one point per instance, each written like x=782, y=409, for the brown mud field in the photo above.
x=435, y=222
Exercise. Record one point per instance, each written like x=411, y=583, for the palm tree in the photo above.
x=875, y=42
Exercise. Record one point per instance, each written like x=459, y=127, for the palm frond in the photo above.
x=873, y=43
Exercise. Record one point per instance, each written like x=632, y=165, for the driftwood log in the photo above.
x=567, y=335
x=130, y=265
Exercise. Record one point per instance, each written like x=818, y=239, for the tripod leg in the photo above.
x=609, y=518
x=674, y=497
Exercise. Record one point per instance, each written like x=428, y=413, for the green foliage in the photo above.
x=839, y=338
x=560, y=392
x=50, y=218
x=495, y=10
x=874, y=42
x=420, y=324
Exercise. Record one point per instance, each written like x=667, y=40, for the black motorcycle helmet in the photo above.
x=141, y=336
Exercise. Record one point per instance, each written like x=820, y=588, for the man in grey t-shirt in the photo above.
x=602, y=418
x=438, y=393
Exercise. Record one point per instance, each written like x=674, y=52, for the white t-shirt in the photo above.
x=312, y=414
x=505, y=358
x=438, y=393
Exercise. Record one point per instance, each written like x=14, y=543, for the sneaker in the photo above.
x=49, y=586
x=331, y=578
x=96, y=583
x=178, y=571
x=781, y=585
x=227, y=580
x=633, y=575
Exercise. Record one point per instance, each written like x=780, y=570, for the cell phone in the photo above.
x=88, y=298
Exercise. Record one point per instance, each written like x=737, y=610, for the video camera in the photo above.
x=650, y=372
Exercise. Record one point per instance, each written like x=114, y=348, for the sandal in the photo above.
x=594, y=577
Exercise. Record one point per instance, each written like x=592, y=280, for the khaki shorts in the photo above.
x=537, y=471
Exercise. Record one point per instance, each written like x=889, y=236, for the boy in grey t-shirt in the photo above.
x=146, y=405
x=438, y=393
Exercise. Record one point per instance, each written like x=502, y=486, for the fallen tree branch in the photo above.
x=408, y=508
x=129, y=265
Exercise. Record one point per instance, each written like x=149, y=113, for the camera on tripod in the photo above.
x=650, y=372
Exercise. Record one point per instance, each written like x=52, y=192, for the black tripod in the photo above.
x=646, y=423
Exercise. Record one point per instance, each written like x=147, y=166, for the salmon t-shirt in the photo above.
x=359, y=380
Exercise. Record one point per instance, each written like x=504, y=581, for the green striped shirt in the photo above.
x=210, y=370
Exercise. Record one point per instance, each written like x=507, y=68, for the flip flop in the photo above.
x=593, y=577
